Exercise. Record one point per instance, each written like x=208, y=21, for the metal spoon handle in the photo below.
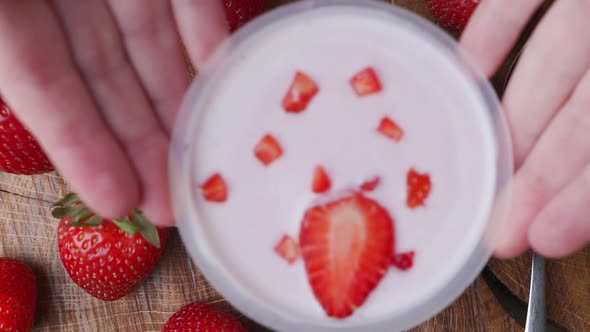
x=537, y=315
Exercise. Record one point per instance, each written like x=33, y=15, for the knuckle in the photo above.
x=536, y=186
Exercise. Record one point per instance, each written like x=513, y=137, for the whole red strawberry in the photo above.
x=239, y=12
x=200, y=317
x=19, y=151
x=452, y=14
x=107, y=258
x=18, y=295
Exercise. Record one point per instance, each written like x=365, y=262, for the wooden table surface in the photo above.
x=28, y=233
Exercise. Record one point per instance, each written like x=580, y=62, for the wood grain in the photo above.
x=28, y=233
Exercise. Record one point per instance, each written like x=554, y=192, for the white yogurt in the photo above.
x=447, y=134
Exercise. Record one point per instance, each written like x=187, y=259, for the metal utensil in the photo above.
x=514, y=306
x=537, y=314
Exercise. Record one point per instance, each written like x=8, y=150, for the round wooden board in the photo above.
x=28, y=233
x=568, y=286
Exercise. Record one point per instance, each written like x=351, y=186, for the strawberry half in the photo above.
x=268, y=150
x=321, y=180
x=18, y=296
x=215, y=189
x=20, y=152
x=107, y=258
x=390, y=129
x=199, y=316
x=300, y=93
x=371, y=185
x=288, y=249
x=347, y=246
x=419, y=187
x=403, y=261
x=366, y=82
x=452, y=14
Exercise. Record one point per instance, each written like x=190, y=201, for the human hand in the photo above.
x=99, y=84
x=547, y=103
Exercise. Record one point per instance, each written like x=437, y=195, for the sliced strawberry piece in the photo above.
x=390, y=129
x=321, y=180
x=419, y=186
x=346, y=245
x=370, y=185
x=288, y=249
x=403, y=261
x=215, y=189
x=301, y=92
x=268, y=150
x=366, y=82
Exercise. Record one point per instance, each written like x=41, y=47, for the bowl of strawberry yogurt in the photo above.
x=336, y=166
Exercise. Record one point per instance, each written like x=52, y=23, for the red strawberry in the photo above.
x=347, y=246
x=403, y=261
x=215, y=189
x=18, y=296
x=201, y=317
x=418, y=188
x=107, y=258
x=288, y=249
x=300, y=93
x=240, y=12
x=19, y=151
x=366, y=82
x=268, y=150
x=390, y=129
x=321, y=180
x=452, y=14
x=371, y=184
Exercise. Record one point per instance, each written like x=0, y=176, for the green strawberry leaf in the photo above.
x=67, y=200
x=148, y=230
x=127, y=225
x=83, y=215
x=93, y=221
x=64, y=212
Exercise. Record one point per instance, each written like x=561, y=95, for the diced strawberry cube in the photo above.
x=366, y=82
x=268, y=150
x=215, y=189
x=300, y=93
x=321, y=180
x=419, y=187
x=403, y=261
x=288, y=249
x=390, y=129
x=371, y=185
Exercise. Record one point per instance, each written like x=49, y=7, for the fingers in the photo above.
x=494, y=28
x=153, y=46
x=546, y=74
x=560, y=155
x=40, y=81
x=119, y=95
x=564, y=225
x=202, y=26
